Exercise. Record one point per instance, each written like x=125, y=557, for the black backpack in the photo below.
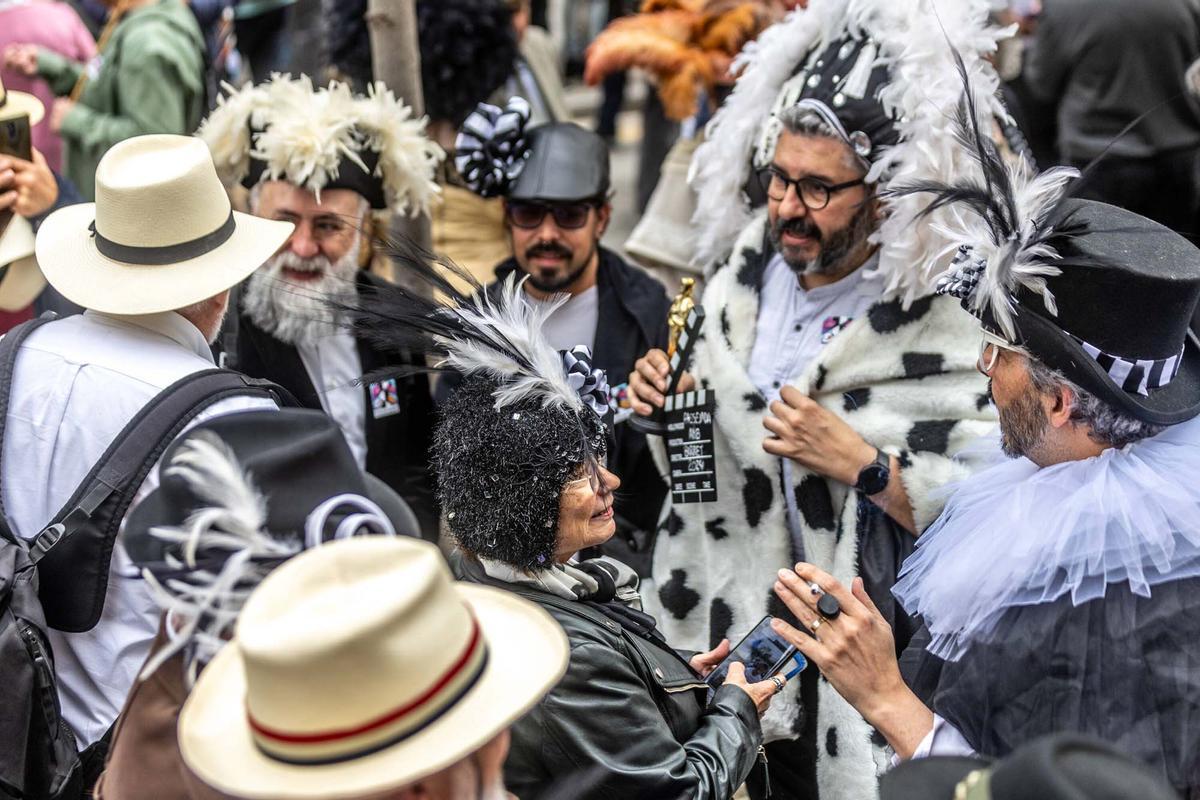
x=59, y=579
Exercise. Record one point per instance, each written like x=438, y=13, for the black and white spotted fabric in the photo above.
x=905, y=379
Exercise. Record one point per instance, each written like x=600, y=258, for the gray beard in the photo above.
x=294, y=313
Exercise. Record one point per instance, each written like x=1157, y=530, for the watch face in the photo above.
x=873, y=479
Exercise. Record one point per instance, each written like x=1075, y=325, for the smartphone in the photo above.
x=15, y=140
x=763, y=652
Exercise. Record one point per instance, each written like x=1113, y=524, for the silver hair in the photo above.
x=1105, y=423
x=800, y=121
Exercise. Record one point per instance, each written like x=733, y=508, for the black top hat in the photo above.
x=1058, y=767
x=566, y=163
x=1124, y=299
x=296, y=459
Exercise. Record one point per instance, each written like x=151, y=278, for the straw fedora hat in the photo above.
x=160, y=236
x=20, y=279
x=15, y=104
x=360, y=667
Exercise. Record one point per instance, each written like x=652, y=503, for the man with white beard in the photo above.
x=327, y=161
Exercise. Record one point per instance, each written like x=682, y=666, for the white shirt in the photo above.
x=77, y=382
x=794, y=325
x=333, y=366
x=574, y=322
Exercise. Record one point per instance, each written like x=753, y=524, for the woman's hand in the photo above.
x=705, y=663
x=856, y=652
x=760, y=693
x=22, y=59
x=648, y=382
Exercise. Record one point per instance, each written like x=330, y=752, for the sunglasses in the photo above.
x=568, y=216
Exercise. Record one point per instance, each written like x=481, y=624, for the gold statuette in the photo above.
x=677, y=316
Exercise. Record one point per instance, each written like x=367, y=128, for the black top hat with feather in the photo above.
x=240, y=494
x=526, y=418
x=1100, y=294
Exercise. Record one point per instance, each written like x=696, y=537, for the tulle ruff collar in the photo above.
x=1015, y=535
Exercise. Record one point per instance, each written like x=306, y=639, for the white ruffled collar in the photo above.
x=1016, y=535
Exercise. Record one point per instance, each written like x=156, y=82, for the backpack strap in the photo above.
x=74, y=551
x=10, y=343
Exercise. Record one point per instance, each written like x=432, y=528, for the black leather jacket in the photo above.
x=628, y=719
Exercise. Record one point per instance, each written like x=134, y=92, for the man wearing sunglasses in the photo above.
x=555, y=212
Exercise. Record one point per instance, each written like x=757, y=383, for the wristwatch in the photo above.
x=874, y=477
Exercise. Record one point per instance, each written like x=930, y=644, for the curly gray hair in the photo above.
x=1105, y=423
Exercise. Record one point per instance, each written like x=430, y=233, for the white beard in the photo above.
x=296, y=313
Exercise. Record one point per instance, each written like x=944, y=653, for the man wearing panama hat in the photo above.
x=152, y=261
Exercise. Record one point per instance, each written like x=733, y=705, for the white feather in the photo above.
x=513, y=323
x=303, y=134
x=914, y=37
x=203, y=608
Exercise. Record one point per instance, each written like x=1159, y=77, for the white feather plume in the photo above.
x=914, y=38
x=512, y=323
x=203, y=607
x=303, y=134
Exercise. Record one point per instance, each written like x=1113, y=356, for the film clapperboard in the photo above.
x=689, y=424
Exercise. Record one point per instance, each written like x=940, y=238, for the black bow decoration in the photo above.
x=490, y=150
x=963, y=276
x=591, y=383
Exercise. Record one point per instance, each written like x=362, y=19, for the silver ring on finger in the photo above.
x=779, y=683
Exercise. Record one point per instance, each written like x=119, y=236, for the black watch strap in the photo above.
x=874, y=477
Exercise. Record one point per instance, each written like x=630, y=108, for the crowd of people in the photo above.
x=345, y=454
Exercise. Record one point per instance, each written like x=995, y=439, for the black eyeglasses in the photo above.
x=812, y=193
x=530, y=215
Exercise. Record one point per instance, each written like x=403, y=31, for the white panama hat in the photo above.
x=15, y=104
x=360, y=667
x=20, y=279
x=160, y=236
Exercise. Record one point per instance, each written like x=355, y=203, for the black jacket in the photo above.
x=397, y=445
x=632, y=320
x=628, y=720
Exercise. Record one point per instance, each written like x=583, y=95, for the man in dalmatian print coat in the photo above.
x=842, y=393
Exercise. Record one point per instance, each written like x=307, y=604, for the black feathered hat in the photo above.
x=526, y=419
x=1100, y=294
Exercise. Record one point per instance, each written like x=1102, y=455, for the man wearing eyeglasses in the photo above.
x=843, y=388
x=285, y=331
x=555, y=214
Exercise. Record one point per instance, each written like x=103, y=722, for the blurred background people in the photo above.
x=147, y=78
x=57, y=28
x=1100, y=66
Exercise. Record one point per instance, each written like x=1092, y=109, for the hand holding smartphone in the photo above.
x=762, y=652
x=15, y=140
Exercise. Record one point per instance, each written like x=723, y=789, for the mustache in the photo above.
x=797, y=226
x=552, y=249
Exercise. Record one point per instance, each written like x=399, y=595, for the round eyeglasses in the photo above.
x=814, y=194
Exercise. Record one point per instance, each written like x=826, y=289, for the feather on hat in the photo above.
x=921, y=95
x=284, y=129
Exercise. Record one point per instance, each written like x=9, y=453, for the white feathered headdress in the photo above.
x=912, y=37
x=326, y=137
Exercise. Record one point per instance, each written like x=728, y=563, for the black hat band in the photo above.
x=1135, y=375
x=166, y=254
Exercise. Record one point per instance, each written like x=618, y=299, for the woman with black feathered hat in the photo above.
x=1059, y=591
x=520, y=455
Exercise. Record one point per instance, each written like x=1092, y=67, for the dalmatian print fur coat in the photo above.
x=905, y=380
